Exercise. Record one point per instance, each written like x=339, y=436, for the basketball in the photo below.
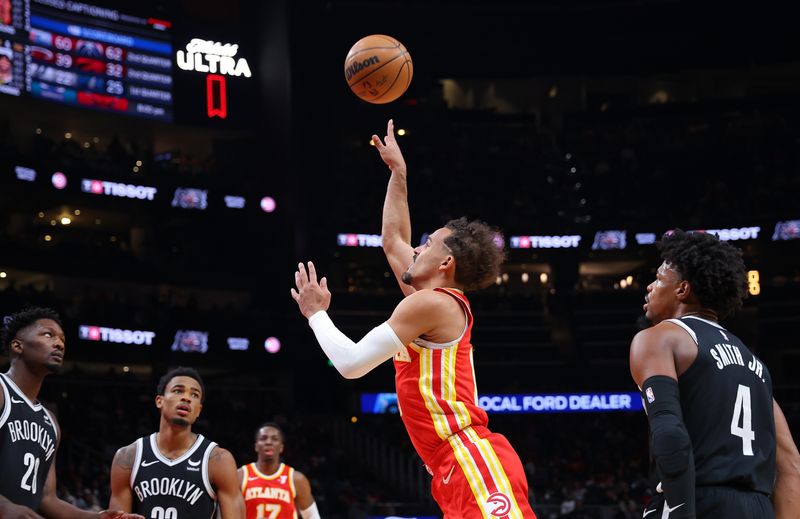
x=378, y=69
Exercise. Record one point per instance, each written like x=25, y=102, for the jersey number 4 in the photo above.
x=742, y=412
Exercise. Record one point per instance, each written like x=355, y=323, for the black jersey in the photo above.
x=28, y=440
x=172, y=489
x=726, y=400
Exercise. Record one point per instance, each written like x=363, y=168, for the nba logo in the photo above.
x=650, y=396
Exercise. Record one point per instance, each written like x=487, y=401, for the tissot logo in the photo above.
x=116, y=335
x=103, y=187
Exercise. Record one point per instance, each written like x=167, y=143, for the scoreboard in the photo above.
x=88, y=56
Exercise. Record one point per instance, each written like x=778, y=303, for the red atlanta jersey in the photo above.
x=269, y=496
x=436, y=390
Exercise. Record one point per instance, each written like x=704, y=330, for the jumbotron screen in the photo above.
x=89, y=56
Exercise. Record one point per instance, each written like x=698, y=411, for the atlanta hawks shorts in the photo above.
x=478, y=475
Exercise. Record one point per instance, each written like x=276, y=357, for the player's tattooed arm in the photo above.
x=225, y=480
x=121, y=467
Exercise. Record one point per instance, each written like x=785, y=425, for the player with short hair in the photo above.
x=476, y=473
x=175, y=473
x=715, y=429
x=29, y=433
x=272, y=489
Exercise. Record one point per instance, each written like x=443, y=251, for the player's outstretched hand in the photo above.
x=389, y=150
x=310, y=296
x=119, y=514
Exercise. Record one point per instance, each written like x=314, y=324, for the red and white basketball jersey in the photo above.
x=436, y=390
x=269, y=496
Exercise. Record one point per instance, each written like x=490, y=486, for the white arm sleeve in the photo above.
x=350, y=359
x=311, y=512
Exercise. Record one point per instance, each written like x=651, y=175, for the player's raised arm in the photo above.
x=396, y=227
x=786, y=495
x=225, y=479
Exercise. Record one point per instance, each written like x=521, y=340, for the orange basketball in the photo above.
x=378, y=69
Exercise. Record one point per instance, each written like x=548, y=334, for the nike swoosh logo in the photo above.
x=446, y=479
x=15, y=401
x=253, y=478
x=648, y=512
x=668, y=510
x=148, y=463
x=194, y=463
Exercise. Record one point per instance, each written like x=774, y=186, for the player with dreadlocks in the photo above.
x=716, y=433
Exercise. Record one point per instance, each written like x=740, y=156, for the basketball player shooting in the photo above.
x=476, y=473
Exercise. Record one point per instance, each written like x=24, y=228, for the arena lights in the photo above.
x=272, y=345
x=359, y=240
x=216, y=60
x=212, y=57
x=607, y=240
x=753, y=282
x=733, y=234
x=238, y=343
x=646, y=238
x=788, y=230
x=190, y=341
x=386, y=403
x=234, y=202
x=190, y=198
x=26, y=174
x=89, y=332
x=268, y=204
x=59, y=180
x=104, y=187
x=545, y=242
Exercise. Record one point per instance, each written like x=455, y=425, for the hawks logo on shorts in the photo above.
x=498, y=504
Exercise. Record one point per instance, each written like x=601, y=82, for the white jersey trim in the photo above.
x=204, y=471
x=137, y=460
x=685, y=327
x=6, y=405
x=166, y=461
x=712, y=323
x=444, y=345
x=35, y=407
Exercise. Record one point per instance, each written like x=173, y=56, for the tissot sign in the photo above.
x=216, y=60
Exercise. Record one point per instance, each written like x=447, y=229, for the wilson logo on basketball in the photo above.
x=498, y=504
x=358, y=66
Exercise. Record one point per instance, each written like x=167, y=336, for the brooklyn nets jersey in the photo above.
x=726, y=400
x=28, y=439
x=172, y=489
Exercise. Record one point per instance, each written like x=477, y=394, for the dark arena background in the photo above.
x=162, y=208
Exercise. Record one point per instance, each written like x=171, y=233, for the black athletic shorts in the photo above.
x=718, y=503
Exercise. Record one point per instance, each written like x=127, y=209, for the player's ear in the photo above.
x=15, y=346
x=159, y=401
x=447, y=263
x=684, y=290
